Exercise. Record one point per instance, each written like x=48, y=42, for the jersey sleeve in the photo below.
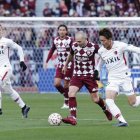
x=96, y=48
x=71, y=50
x=71, y=42
x=53, y=48
x=99, y=64
x=130, y=47
x=13, y=45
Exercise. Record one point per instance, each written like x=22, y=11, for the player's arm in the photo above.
x=19, y=49
x=131, y=48
x=97, y=72
x=98, y=68
x=49, y=55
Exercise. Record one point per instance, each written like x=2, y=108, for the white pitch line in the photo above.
x=135, y=120
x=44, y=119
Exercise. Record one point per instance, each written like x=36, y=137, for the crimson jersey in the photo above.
x=84, y=60
x=63, y=49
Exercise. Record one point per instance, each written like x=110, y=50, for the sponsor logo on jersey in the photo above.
x=112, y=60
x=61, y=49
x=81, y=58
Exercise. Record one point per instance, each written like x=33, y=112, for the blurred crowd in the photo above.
x=92, y=8
x=17, y=8
x=71, y=8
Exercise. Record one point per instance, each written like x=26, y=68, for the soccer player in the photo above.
x=62, y=44
x=112, y=54
x=82, y=53
x=6, y=71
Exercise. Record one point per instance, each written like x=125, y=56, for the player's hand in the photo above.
x=96, y=75
x=64, y=69
x=45, y=66
x=23, y=66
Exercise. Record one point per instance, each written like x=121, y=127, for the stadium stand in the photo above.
x=71, y=8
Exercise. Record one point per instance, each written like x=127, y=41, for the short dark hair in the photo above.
x=106, y=33
x=63, y=25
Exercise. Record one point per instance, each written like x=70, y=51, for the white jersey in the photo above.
x=115, y=60
x=5, y=46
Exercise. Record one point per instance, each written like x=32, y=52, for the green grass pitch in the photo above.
x=92, y=123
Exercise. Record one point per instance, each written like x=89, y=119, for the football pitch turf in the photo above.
x=92, y=123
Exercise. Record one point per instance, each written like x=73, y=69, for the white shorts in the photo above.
x=5, y=74
x=125, y=86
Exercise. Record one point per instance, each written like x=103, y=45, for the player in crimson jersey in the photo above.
x=62, y=44
x=112, y=54
x=6, y=45
x=83, y=53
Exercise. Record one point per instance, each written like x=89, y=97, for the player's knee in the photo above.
x=66, y=86
x=95, y=99
x=7, y=88
x=135, y=104
x=132, y=103
x=57, y=84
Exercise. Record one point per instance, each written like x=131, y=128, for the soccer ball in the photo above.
x=55, y=119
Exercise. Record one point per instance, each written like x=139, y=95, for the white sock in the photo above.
x=115, y=111
x=137, y=103
x=14, y=95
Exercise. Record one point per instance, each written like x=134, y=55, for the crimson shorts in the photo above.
x=87, y=81
x=60, y=75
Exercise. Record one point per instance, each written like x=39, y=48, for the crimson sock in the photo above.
x=60, y=89
x=101, y=104
x=72, y=106
x=66, y=95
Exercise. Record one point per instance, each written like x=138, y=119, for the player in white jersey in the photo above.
x=112, y=54
x=6, y=71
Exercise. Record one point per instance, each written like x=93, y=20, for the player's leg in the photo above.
x=3, y=76
x=66, y=97
x=67, y=78
x=134, y=100
x=58, y=85
x=98, y=100
x=16, y=97
x=129, y=92
x=111, y=92
x=92, y=87
x=72, y=106
x=63, y=91
x=75, y=85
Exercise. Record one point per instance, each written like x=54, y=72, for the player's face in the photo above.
x=62, y=32
x=81, y=41
x=106, y=42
